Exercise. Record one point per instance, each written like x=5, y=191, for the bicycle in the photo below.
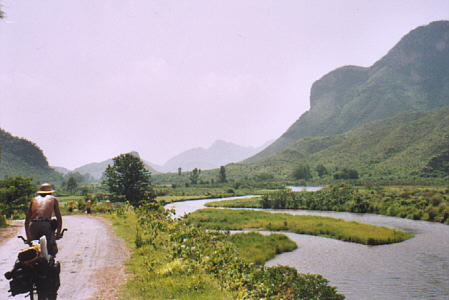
x=35, y=271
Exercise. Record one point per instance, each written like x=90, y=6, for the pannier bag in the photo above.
x=22, y=278
x=22, y=273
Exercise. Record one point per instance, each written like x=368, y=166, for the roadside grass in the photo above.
x=230, y=219
x=172, y=259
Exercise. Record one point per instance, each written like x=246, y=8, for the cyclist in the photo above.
x=38, y=218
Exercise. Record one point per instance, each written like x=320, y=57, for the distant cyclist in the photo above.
x=38, y=218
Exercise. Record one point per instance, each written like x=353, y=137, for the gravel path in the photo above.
x=91, y=257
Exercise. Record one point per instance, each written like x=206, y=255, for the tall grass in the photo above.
x=253, y=202
x=228, y=219
x=255, y=248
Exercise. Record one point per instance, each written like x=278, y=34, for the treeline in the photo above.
x=412, y=203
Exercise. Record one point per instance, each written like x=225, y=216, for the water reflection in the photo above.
x=415, y=269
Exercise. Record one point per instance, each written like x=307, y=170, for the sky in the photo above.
x=88, y=80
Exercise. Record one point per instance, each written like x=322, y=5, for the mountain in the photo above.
x=218, y=154
x=408, y=145
x=62, y=170
x=96, y=169
x=20, y=157
x=413, y=76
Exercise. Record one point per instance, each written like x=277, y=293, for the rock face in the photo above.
x=413, y=76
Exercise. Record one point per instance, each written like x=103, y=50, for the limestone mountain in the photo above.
x=20, y=157
x=406, y=147
x=218, y=154
x=413, y=76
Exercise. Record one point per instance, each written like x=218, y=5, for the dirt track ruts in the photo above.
x=91, y=259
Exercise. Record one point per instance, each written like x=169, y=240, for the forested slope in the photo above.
x=20, y=157
x=409, y=145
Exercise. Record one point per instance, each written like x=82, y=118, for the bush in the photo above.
x=2, y=220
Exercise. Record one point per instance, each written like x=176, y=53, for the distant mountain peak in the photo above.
x=218, y=154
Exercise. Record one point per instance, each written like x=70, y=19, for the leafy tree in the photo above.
x=321, y=169
x=222, y=175
x=72, y=184
x=194, y=176
x=346, y=173
x=128, y=180
x=302, y=172
x=263, y=177
x=15, y=193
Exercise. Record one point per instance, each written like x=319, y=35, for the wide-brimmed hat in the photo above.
x=45, y=189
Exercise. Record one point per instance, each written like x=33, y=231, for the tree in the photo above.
x=222, y=175
x=321, y=170
x=128, y=180
x=302, y=172
x=72, y=184
x=194, y=176
x=346, y=173
x=15, y=194
x=179, y=171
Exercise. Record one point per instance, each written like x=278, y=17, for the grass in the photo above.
x=253, y=202
x=256, y=248
x=228, y=219
x=173, y=198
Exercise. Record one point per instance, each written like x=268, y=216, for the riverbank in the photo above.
x=416, y=203
x=414, y=269
x=174, y=260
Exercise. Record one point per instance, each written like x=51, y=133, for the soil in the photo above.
x=92, y=258
x=11, y=231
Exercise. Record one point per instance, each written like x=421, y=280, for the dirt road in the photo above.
x=91, y=259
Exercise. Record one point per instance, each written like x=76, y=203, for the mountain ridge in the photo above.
x=218, y=154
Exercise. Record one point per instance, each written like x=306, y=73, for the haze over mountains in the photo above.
x=388, y=120
x=218, y=154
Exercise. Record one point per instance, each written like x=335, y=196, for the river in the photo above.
x=415, y=269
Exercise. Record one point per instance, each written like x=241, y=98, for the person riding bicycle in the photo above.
x=38, y=218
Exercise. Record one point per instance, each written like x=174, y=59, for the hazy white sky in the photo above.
x=88, y=80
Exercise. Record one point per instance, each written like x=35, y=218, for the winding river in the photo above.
x=415, y=269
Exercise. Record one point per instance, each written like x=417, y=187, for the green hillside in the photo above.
x=409, y=145
x=413, y=76
x=20, y=157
